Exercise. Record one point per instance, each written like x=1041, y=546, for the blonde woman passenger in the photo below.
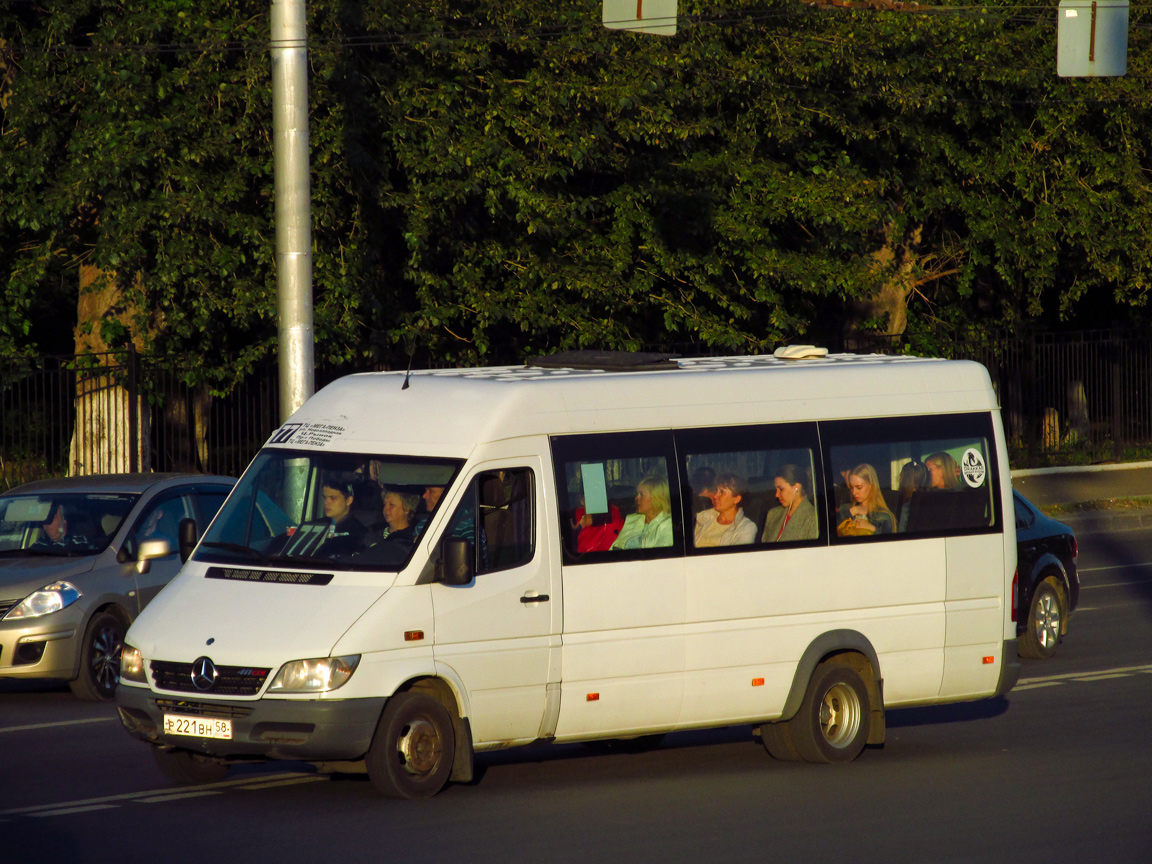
x=866, y=513
x=795, y=518
x=725, y=524
x=943, y=471
x=651, y=525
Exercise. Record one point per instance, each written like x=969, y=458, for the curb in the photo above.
x=1107, y=521
x=1077, y=469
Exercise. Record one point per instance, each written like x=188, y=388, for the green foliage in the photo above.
x=492, y=180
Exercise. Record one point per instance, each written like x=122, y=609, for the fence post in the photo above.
x=1033, y=421
x=133, y=413
x=1117, y=347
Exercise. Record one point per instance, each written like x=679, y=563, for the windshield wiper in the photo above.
x=301, y=559
x=239, y=547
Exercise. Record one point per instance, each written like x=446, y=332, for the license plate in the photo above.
x=199, y=727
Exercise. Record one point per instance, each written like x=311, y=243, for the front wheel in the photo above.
x=777, y=740
x=1045, y=619
x=833, y=722
x=100, y=659
x=412, y=752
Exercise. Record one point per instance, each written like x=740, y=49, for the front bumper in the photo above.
x=45, y=647
x=310, y=730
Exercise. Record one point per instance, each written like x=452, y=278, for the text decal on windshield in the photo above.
x=306, y=434
x=279, y=578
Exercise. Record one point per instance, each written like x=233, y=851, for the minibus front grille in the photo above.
x=230, y=680
x=6, y=605
x=203, y=709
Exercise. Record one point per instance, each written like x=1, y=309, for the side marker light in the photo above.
x=593, y=697
x=757, y=682
x=989, y=659
x=413, y=635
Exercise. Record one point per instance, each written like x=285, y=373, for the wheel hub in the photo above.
x=1047, y=620
x=840, y=715
x=106, y=647
x=420, y=747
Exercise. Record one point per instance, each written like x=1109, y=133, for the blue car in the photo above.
x=1048, y=585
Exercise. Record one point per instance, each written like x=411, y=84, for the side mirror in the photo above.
x=456, y=561
x=188, y=536
x=150, y=549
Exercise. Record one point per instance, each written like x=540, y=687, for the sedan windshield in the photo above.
x=336, y=510
x=55, y=523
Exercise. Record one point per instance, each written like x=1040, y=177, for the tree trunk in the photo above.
x=885, y=313
x=111, y=434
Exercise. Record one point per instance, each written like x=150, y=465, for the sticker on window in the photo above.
x=972, y=467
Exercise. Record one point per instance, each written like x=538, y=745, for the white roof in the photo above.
x=448, y=412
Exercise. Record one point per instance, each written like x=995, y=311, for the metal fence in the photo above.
x=122, y=412
x=1067, y=398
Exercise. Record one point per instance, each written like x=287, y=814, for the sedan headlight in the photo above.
x=132, y=665
x=314, y=676
x=49, y=599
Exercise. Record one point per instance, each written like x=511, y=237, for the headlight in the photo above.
x=132, y=665
x=49, y=599
x=314, y=676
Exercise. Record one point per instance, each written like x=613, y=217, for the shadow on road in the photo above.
x=957, y=712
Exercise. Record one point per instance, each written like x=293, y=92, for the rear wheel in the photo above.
x=1045, y=619
x=100, y=659
x=833, y=721
x=412, y=752
x=188, y=769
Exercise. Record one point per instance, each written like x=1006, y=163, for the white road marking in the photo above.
x=177, y=796
x=57, y=723
x=129, y=796
x=1036, y=686
x=64, y=811
x=1115, y=567
x=1082, y=676
x=1111, y=585
x=289, y=782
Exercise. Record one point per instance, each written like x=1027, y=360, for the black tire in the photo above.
x=833, y=722
x=412, y=751
x=1045, y=621
x=100, y=659
x=777, y=740
x=188, y=769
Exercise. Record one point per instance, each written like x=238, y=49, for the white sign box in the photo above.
x=643, y=16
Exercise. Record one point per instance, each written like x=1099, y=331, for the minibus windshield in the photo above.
x=342, y=511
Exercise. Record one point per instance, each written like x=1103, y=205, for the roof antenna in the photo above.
x=408, y=374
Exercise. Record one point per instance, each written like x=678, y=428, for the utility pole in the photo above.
x=293, y=195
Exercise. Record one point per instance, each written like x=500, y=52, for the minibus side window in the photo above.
x=915, y=476
x=751, y=487
x=616, y=501
x=504, y=536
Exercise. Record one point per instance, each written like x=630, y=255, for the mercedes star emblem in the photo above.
x=203, y=674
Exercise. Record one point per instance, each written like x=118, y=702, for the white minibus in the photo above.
x=592, y=546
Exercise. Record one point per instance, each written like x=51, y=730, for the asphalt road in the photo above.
x=1056, y=772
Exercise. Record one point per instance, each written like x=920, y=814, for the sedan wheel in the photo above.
x=100, y=659
x=1045, y=619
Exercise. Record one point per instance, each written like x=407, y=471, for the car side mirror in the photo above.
x=188, y=536
x=150, y=549
x=456, y=561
